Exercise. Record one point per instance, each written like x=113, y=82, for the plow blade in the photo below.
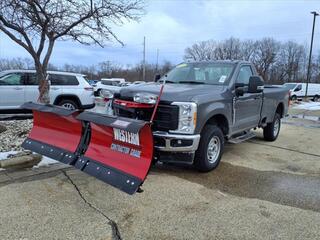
x=56, y=132
x=120, y=151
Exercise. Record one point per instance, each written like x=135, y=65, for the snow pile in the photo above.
x=16, y=133
x=45, y=161
x=311, y=106
x=5, y=155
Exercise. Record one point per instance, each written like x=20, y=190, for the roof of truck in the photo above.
x=220, y=61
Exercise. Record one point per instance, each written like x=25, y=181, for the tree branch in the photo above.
x=17, y=40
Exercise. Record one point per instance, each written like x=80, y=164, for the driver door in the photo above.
x=247, y=107
x=12, y=91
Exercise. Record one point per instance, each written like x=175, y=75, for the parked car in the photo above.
x=70, y=90
x=111, y=84
x=298, y=90
x=203, y=105
x=93, y=82
x=138, y=82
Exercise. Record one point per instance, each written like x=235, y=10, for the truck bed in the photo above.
x=272, y=95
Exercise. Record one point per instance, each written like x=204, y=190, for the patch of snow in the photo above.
x=4, y=155
x=45, y=161
x=311, y=106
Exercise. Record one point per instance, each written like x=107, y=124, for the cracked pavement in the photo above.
x=261, y=191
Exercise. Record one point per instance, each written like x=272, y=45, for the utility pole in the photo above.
x=315, y=14
x=157, y=59
x=144, y=60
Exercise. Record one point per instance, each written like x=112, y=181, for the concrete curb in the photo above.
x=21, y=161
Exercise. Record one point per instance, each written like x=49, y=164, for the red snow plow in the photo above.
x=115, y=150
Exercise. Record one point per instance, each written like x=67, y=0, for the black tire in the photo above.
x=97, y=93
x=294, y=98
x=202, y=159
x=316, y=98
x=69, y=102
x=270, y=133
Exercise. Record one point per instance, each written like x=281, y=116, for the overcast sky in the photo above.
x=173, y=25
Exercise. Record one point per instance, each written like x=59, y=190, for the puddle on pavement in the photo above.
x=281, y=188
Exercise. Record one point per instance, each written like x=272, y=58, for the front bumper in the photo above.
x=167, y=142
x=88, y=106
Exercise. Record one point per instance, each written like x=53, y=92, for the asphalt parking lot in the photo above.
x=261, y=190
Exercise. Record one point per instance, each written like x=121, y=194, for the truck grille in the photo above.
x=166, y=117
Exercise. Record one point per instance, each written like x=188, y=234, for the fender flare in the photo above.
x=67, y=96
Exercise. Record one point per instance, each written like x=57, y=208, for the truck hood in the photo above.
x=173, y=92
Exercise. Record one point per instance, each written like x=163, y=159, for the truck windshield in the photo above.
x=200, y=73
x=290, y=85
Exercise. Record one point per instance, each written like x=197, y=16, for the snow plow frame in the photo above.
x=87, y=141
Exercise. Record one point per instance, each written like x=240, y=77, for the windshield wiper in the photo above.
x=192, y=82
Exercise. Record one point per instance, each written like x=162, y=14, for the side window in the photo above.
x=31, y=79
x=58, y=79
x=11, y=79
x=244, y=74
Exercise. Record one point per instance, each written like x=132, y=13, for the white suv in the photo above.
x=70, y=90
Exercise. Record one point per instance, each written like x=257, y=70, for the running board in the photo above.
x=242, y=138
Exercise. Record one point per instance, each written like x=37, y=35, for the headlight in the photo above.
x=145, y=98
x=187, y=117
x=106, y=93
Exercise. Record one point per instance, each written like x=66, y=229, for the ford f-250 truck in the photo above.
x=203, y=105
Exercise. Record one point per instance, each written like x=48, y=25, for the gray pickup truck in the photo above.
x=203, y=105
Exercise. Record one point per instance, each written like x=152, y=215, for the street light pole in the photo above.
x=315, y=14
x=144, y=60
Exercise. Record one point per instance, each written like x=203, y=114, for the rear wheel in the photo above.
x=316, y=98
x=294, y=98
x=210, y=149
x=69, y=104
x=98, y=93
x=271, y=131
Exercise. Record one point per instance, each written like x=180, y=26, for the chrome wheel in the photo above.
x=68, y=106
x=213, y=150
x=276, y=127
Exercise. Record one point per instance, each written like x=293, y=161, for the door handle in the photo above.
x=55, y=88
x=18, y=88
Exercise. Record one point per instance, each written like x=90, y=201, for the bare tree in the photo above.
x=16, y=63
x=247, y=49
x=289, y=61
x=265, y=55
x=37, y=24
x=200, y=51
x=229, y=49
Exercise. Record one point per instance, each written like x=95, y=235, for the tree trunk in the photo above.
x=44, y=85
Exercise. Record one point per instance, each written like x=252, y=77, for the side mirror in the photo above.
x=256, y=84
x=157, y=77
x=241, y=89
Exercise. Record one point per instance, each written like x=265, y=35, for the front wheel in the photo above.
x=316, y=98
x=210, y=149
x=68, y=104
x=271, y=131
